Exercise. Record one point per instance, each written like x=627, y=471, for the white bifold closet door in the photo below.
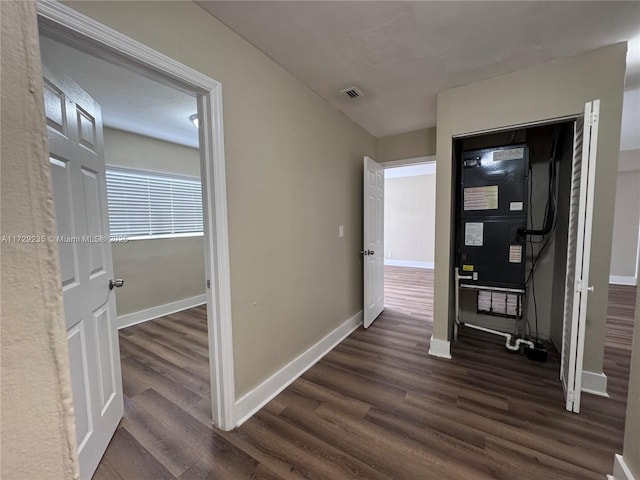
x=578, y=254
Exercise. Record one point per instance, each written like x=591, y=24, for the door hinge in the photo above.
x=578, y=286
x=591, y=119
x=571, y=395
x=208, y=283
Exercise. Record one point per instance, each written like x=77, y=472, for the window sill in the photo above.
x=167, y=235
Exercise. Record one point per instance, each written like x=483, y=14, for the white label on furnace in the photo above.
x=515, y=253
x=473, y=234
x=509, y=154
x=516, y=206
x=481, y=198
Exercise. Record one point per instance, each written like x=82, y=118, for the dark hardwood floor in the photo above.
x=376, y=407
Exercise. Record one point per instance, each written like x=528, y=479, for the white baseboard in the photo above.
x=621, y=470
x=251, y=402
x=160, y=311
x=594, y=383
x=440, y=348
x=407, y=263
x=622, y=280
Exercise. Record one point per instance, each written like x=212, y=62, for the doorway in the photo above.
x=523, y=204
x=409, y=237
x=66, y=26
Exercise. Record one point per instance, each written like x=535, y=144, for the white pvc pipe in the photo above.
x=457, y=292
x=508, y=337
x=457, y=301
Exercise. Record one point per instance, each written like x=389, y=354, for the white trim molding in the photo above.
x=410, y=170
x=252, y=401
x=621, y=470
x=408, y=263
x=594, y=383
x=440, y=348
x=623, y=280
x=141, y=316
x=408, y=161
x=71, y=27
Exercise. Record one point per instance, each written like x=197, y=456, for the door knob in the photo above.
x=370, y=252
x=117, y=283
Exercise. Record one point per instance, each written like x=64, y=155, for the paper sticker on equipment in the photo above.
x=515, y=253
x=508, y=154
x=473, y=234
x=481, y=198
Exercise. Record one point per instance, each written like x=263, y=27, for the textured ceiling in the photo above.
x=400, y=54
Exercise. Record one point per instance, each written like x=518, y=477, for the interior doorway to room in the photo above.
x=409, y=239
x=143, y=178
x=133, y=136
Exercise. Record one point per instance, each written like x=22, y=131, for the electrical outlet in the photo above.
x=341, y=231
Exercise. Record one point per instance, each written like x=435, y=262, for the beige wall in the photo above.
x=631, y=451
x=626, y=221
x=294, y=173
x=38, y=434
x=158, y=271
x=129, y=150
x=409, y=218
x=538, y=93
x=161, y=270
x=421, y=143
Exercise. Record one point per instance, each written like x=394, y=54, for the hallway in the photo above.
x=376, y=407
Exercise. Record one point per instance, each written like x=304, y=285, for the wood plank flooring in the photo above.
x=376, y=407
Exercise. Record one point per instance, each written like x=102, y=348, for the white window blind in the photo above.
x=146, y=205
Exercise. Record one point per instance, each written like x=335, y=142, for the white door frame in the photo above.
x=75, y=29
x=409, y=161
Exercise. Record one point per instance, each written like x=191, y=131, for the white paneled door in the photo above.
x=578, y=254
x=74, y=127
x=373, y=241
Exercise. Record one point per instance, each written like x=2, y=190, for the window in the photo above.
x=153, y=205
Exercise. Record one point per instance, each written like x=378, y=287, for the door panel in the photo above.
x=105, y=363
x=67, y=251
x=80, y=383
x=55, y=105
x=578, y=255
x=87, y=130
x=93, y=218
x=373, y=240
x=78, y=177
x=586, y=247
x=565, y=364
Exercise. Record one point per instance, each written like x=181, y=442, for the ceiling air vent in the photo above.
x=351, y=92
